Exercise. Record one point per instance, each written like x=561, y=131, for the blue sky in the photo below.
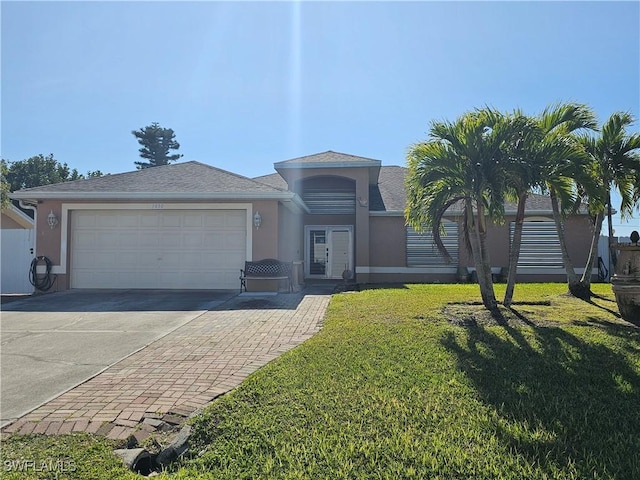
x=245, y=85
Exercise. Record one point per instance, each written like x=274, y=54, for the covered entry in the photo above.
x=329, y=251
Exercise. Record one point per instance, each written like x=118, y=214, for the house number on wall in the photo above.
x=157, y=206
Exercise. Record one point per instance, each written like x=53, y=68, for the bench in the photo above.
x=267, y=269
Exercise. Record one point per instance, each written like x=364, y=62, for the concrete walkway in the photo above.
x=182, y=372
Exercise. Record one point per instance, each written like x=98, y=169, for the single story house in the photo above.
x=192, y=226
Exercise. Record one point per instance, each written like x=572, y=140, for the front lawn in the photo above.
x=397, y=386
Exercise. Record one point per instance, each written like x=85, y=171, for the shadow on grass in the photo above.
x=562, y=401
x=603, y=298
x=615, y=313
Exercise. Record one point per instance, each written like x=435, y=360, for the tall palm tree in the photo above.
x=523, y=173
x=616, y=161
x=544, y=157
x=463, y=161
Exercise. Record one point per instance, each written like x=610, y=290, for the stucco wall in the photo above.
x=387, y=242
x=290, y=234
x=265, y=238
x=9, y=223
x=578, y=232
x=48, y=241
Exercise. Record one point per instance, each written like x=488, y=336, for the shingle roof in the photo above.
x=389, y=194
x=195, y=178
x=188, y=177
x=273, y=180
x=327, y=158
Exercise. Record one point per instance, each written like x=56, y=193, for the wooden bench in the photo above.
x=267, y=269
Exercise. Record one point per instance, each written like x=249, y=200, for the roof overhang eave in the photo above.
x=288, y=164
x=34, y=196
x=294, y=203
x=450, y=213
x=289, y=199
x=386, y=213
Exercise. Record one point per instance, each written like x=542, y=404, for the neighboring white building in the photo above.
x=17, y=237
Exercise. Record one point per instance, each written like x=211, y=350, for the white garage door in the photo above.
x=195, y=249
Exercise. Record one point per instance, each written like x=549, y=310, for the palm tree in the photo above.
x=544, y=157
x=523, y=173
x=462, y=162
x=616, y=160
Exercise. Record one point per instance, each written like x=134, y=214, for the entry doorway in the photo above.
x=329, y=251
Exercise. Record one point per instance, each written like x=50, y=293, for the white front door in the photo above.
x=329, y=251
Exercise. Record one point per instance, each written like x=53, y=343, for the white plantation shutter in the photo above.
x=540, y=246
x=422, y=250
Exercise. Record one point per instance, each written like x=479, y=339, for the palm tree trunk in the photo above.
x=575, y=287
x=514, y=250
x=613, y=258
x=481, y=257
x=593, y=252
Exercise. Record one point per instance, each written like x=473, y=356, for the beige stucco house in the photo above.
x=192, y=226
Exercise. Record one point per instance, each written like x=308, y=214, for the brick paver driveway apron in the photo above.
x=185, y=370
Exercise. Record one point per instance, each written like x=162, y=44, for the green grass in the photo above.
x=390, y=388
x=72, y=456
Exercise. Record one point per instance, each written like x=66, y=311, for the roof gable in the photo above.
x=328, y=159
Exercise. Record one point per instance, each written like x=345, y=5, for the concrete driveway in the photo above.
x=53, y=342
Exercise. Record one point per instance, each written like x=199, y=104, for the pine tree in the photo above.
x=156, y=143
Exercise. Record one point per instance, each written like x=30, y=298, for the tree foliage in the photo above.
x=39, y=170
x=5, y=189
x=156, y=143
x=486, y=156
x=463, y=162
x=615, y=166
x=36, y=171
x=546, y=157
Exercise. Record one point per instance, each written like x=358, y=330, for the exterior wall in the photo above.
x=264, y=240
x=290, y=235
x=291, y=244
x=9, y=223
x=388, y=252
x=360, y=220
x=379, y=241
x=578, y=232
x=48, y=240
x=387, y=243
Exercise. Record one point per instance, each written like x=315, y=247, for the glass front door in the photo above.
x=329, y=251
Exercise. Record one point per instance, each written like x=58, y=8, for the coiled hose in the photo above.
x=46, y=281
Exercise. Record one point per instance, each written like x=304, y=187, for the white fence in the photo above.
x=17, y=253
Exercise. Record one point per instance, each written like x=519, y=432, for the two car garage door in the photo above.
x=194, y=249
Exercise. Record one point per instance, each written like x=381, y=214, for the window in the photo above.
x=422, y=250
